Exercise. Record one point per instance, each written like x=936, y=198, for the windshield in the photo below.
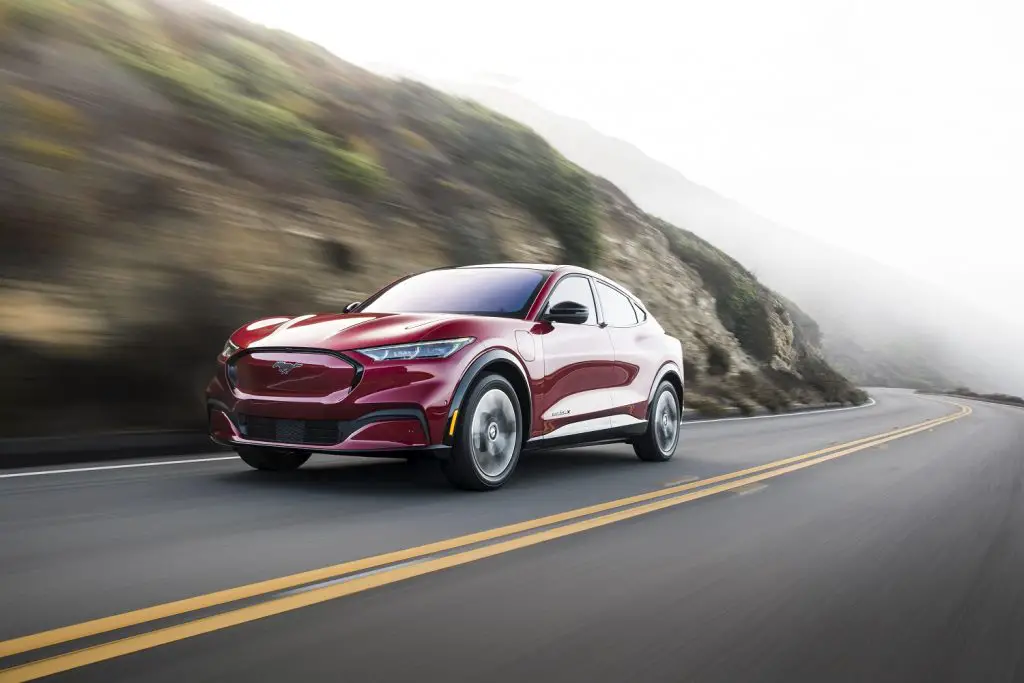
x=505, y=292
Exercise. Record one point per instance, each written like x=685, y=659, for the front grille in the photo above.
x=305, y=432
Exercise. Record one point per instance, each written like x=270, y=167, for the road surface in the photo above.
x=816, y=547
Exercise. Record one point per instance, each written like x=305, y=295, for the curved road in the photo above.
x=814, y=547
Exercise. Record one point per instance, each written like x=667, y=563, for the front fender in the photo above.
x=469, y=376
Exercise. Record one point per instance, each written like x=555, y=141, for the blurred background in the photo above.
x=171, y=170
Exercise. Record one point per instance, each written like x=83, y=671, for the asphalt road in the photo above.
x=900, y=561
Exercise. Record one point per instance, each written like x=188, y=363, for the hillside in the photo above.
x=879, y=327
x=171, y=171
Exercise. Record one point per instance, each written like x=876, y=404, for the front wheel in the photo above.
x=489, y=437
x=271, y=459
x=659, y=442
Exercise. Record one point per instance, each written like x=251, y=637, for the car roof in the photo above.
x=562, y=268
x=527, y=266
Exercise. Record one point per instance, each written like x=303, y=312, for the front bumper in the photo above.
x=385, y=430
x=389, y=407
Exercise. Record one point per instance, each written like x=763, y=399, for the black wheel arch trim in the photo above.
x=663, y=371
x=470, y=375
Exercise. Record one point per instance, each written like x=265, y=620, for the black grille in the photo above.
x=306, y=432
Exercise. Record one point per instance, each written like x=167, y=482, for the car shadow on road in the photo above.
x=374, y=476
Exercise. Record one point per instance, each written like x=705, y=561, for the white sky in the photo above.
x=892, y=127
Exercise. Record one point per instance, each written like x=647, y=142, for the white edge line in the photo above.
x=100, y=468
x=37, y=473
x=870, y=403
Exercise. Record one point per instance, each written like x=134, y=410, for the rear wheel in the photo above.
x=659, y=442
x=489, y=437
x=271, y=459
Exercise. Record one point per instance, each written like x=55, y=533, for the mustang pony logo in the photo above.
x=284, y=367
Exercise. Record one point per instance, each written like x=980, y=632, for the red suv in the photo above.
x=469, y=364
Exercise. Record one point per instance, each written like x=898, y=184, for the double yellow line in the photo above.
x=561, y=525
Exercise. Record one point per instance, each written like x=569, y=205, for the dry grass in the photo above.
x=47, y=110
x=45, y=152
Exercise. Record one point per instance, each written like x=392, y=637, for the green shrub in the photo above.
x=268, y=119
x=739, y=299
x=745, y=407
x=771, y=397
x=41, y=16
x=192, y=83
x=342, y=256
x=833, y=387
x=718, y=360
x=300, y=105
x=131, y=9
x=743, y=313
x=689, y=371
x=257, y=71
x=355, y=171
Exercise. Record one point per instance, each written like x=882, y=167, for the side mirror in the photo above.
x=567, y=312
x=352, y=306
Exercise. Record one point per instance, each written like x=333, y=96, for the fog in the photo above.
x=875, y=314
x=884, y=136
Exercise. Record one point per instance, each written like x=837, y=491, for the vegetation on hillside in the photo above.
x=246, y=79
x=170, y=171
x=994, y=398
x=515, y=162
x=742, y=303
x=746, y=309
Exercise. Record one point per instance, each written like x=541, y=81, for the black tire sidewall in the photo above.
x=272, y=459
x=464, y=433
x=650, y=436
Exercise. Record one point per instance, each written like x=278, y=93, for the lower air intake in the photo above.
x=299, y=432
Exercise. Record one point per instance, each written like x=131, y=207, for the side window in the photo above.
x=618, y=310
x=576, y=289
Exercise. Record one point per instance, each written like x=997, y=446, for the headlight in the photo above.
x=229, y=349
x=430, y=349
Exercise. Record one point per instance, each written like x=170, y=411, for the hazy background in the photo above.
x=890, y=130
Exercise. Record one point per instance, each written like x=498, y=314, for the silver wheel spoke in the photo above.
x=666, y=422
x=494, y=434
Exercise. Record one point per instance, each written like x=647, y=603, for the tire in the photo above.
x=658, y=443
x=486, y=463
x=271, y=459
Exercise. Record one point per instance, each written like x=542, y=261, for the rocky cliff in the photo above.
x=169, y=173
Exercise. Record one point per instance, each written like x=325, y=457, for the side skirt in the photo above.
x=603, y=436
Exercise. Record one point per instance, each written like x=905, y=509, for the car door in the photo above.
x=636, y=346
x=579, y=368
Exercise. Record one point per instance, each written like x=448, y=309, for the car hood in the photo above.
x=344, y=332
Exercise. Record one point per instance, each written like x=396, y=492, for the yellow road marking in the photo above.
x=140, y=616
x=146, y=614
x=99, y=653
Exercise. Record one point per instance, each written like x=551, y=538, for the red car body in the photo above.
x=304, y=384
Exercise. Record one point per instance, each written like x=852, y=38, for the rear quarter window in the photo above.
x=618, y=309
